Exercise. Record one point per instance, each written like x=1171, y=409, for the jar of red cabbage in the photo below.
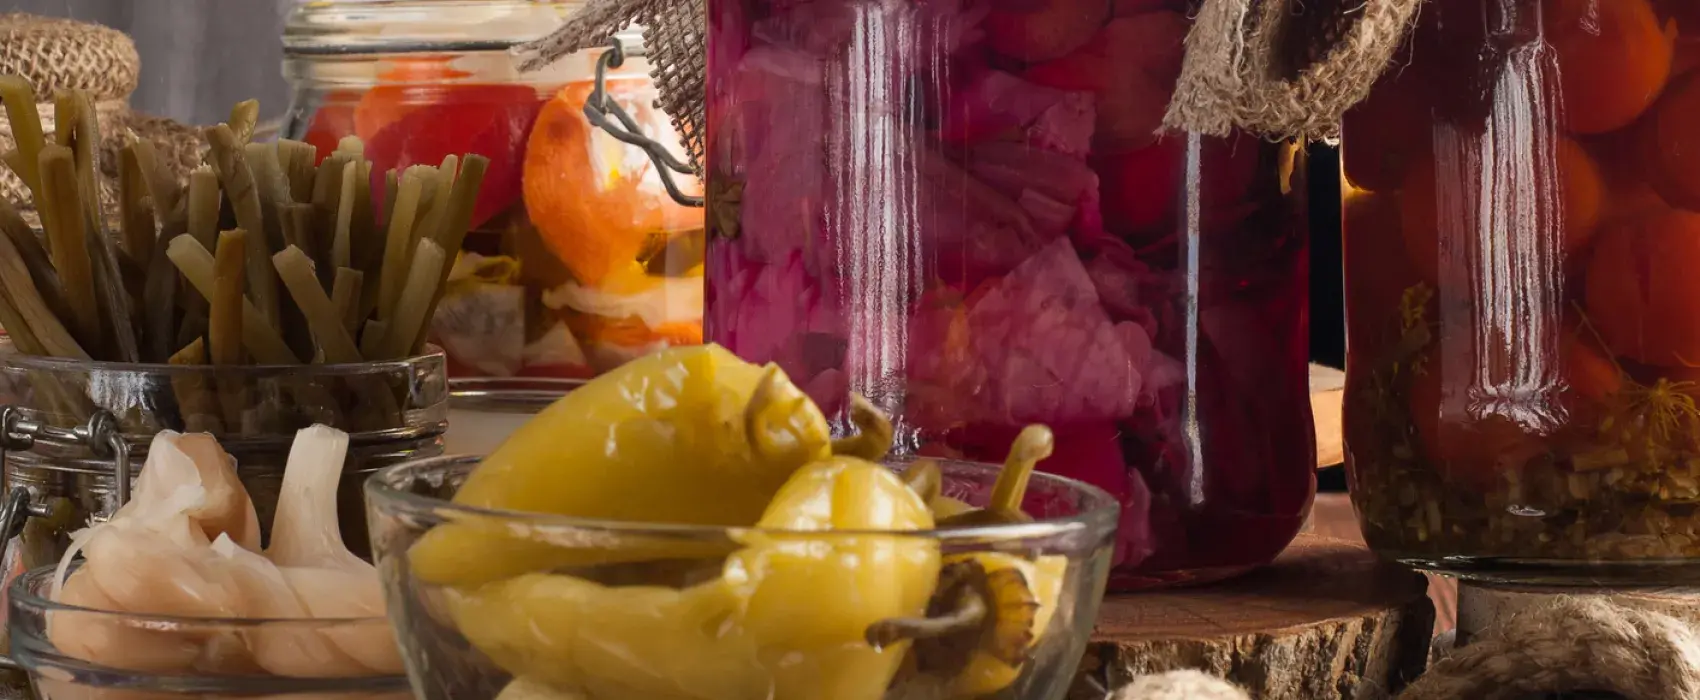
x=965, y=210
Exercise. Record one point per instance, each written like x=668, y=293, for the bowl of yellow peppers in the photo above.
x=686, y=528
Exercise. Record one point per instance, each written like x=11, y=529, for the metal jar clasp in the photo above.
x=606, y=114
x=100, y=435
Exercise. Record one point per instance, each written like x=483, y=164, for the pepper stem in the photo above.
x=1034, y=444
x=873, y=432
x=967, y=613
x=925, y=479
x=770, y=404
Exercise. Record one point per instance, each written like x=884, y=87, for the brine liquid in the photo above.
x=961, y=209
x=1522, y=221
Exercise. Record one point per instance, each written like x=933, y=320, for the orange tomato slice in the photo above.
x=595, y=201
x=1614, y=57
x=1642, y=291
x=331, y=123
x=1670, y=144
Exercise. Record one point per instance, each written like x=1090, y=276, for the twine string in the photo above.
x=1571, y=644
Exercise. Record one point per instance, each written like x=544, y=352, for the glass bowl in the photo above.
x=651, y=611
x=167, y=657
x=484, y=411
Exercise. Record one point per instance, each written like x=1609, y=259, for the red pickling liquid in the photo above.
x=963, y=210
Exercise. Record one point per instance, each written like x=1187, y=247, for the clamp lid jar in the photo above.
x=579, y=259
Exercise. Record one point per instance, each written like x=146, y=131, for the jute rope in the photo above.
x=1179, y=685
x=1230, y=78
x=1572, y=644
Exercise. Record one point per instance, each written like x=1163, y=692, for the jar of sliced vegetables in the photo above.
x=578, y=259
x=1520, y=199
x=965, y=212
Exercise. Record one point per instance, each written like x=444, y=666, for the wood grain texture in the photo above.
x=1326, y=620
x=1333, y=516
x=1327, y=392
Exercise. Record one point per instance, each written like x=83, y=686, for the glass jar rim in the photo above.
x=475, y=393
x=12, y=358
x=1096, y=519
x=349, y=28
x=23, y=595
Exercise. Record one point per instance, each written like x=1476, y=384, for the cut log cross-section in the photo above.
x=1327, y=620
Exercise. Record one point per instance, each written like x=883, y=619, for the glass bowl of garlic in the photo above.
x=73, y=652
x=176, y=595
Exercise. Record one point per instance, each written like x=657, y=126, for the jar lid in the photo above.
x=351, y=27
x=61, y=54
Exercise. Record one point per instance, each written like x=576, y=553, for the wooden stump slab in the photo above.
x=1326, y=620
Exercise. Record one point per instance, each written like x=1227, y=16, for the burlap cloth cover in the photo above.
x=1234, y=75
x=59, y=54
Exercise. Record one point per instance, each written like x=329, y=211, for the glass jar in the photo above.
x=965, y=212
x=484, y=411
x=66, y=650
x=578, y=260
x=1519, y=198
x=665, y=610
x=393, y=411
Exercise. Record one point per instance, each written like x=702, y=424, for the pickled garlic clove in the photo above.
x=98, y=637
x=153, y=557
x=328, y=580
x=228, y=509
x=342, y=594
x=305, y=531
x=285, y=649
x=168, y=569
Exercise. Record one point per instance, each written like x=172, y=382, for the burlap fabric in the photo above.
x=55, y=54
x=1232, y=77
x=673, y=37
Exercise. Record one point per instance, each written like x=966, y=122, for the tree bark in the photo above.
x=1327, y=620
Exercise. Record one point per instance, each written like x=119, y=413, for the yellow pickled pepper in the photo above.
x=1000, y=605
x=985, y=672
x=614, y=643
x=807, y=601
x=689, y=435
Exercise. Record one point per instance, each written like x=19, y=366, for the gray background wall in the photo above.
x=199, y=57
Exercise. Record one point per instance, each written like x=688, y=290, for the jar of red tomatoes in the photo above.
x=964, y=210
x=1522, y=208
x=579, y=259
